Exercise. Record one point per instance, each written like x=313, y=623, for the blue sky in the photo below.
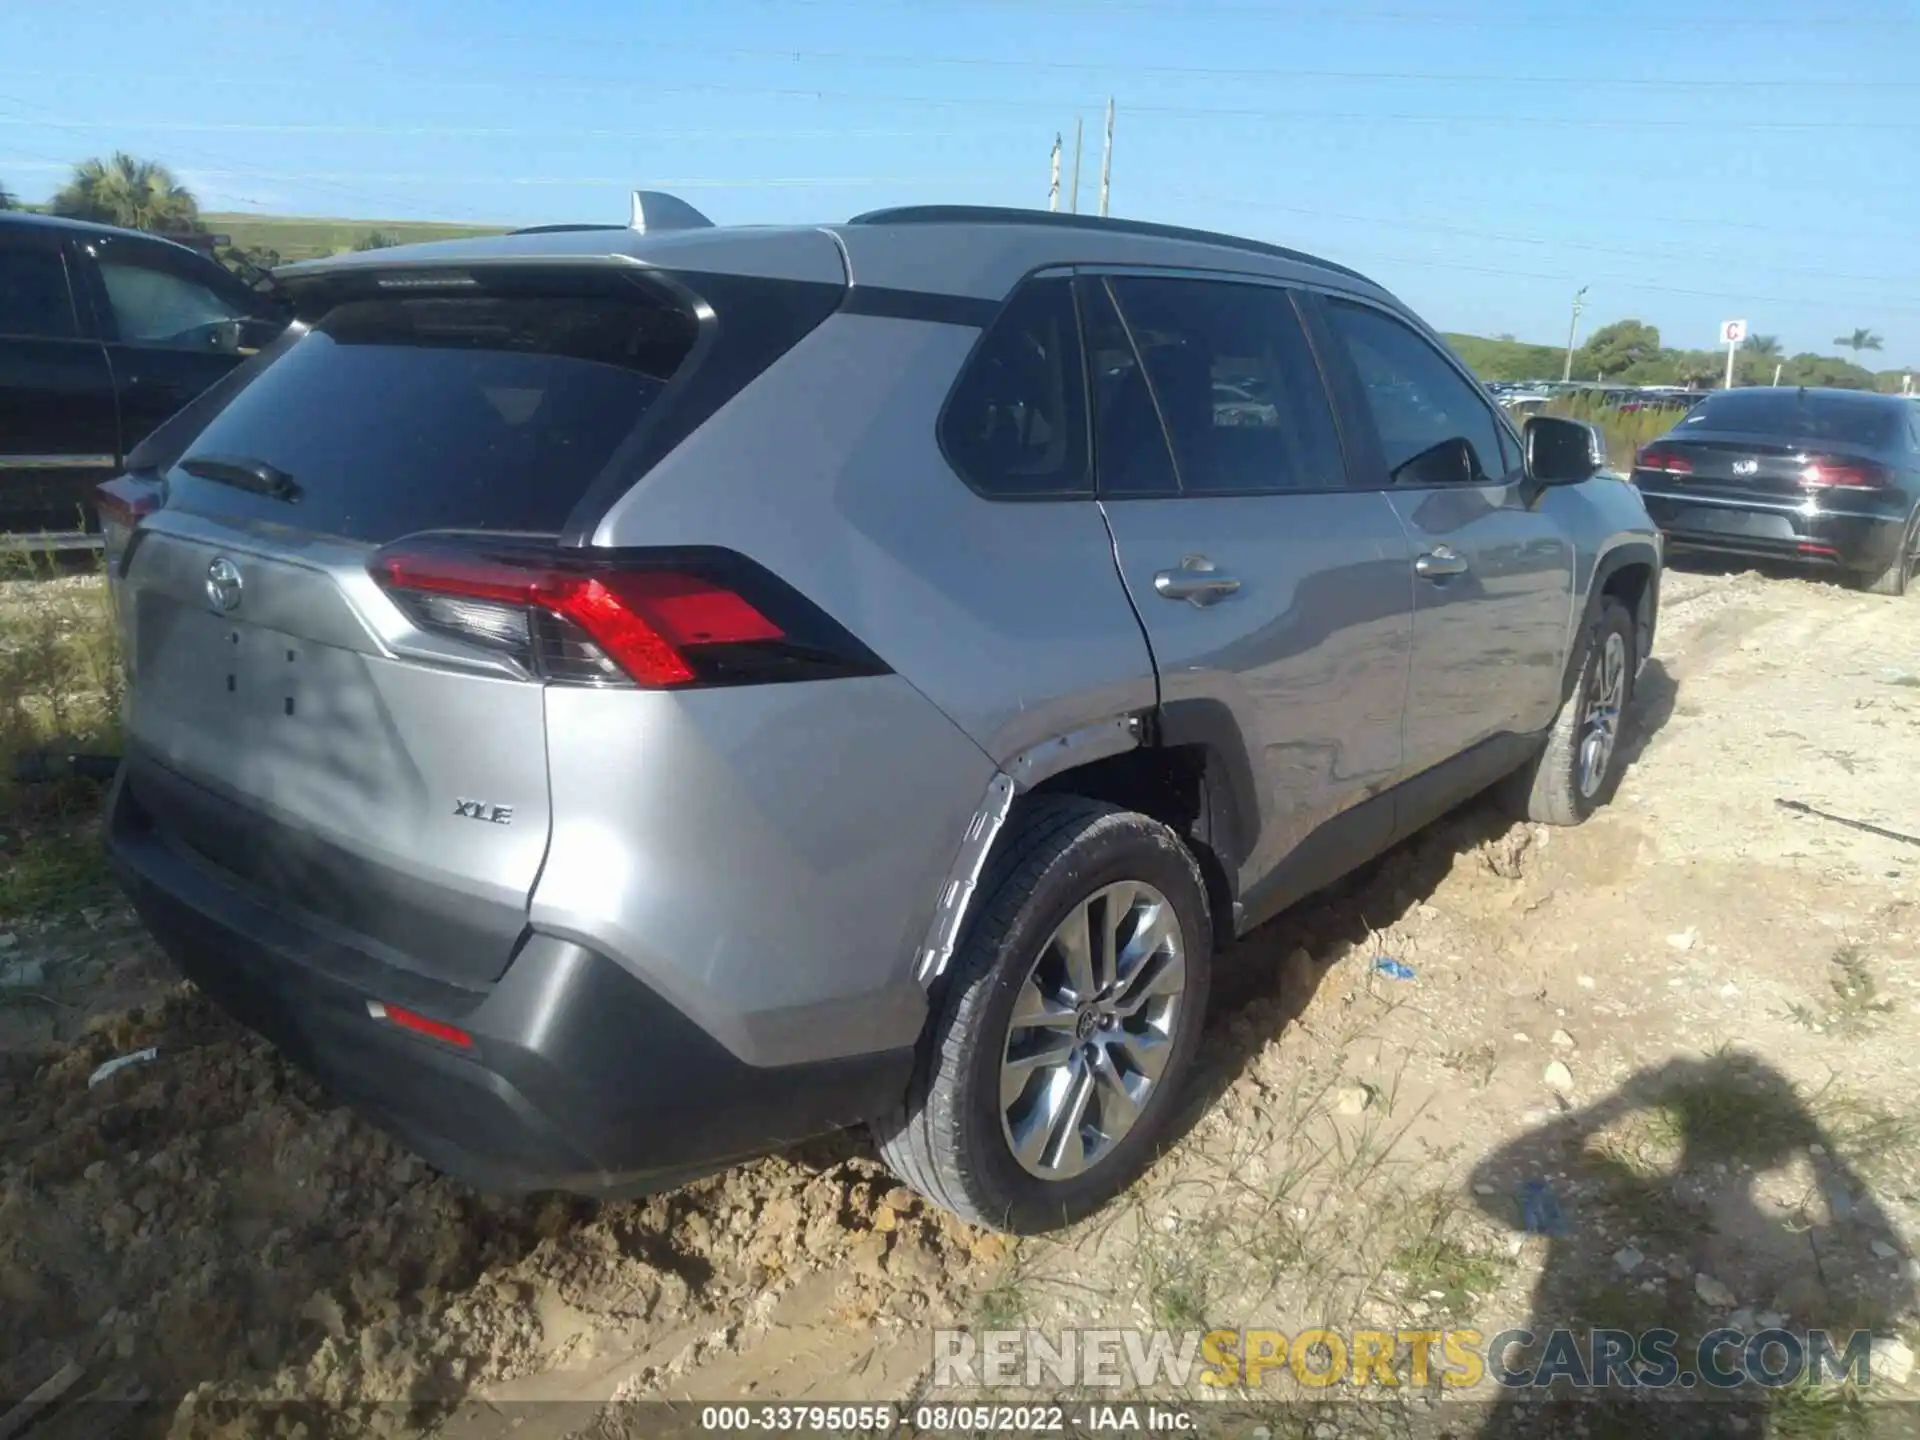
x=1689, y=161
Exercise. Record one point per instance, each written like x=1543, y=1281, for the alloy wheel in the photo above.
x=1091, y=1030
x=1600, y=725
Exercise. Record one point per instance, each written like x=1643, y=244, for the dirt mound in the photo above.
x=212, y=1219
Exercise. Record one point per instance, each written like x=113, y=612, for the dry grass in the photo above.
x=60, y=690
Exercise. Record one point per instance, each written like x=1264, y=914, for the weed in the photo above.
x=1858, y=1006
x=1003, y=1305
x=1476, y=1062
x=1620, y=1305
x=1816, y=1412
x=1181, y=1271
x=1879, y=1143
x=1433, y=1264
x=54, y=869
x=60, y=687
x=60, y=675
x=1729, y=1110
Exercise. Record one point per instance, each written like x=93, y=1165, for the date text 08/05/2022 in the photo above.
x=983, y=1418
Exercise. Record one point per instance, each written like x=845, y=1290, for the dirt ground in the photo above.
x=1692, y=1023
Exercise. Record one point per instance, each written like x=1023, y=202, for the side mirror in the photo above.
x=1562, y=451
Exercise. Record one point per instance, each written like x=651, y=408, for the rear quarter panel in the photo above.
x=767, y=858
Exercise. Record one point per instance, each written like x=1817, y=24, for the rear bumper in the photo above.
x=580, y=1077
x=1801, y=532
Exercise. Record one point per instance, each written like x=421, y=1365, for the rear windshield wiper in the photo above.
x=244, y=473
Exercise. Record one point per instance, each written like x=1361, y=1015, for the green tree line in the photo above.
x=1630, y=352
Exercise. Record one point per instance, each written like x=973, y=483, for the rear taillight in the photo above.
x=1823, y=472
x=1664, y=460
x=122, y=503
x=657, y=619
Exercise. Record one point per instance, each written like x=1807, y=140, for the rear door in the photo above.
x=174, y=323
x=289, y=722
x=58, y=428
x=1265, y=584
x=1492, y=567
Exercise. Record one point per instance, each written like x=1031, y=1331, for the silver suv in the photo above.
x=613, y=701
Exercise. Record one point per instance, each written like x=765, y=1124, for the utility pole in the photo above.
x=1106, y=160
x=1777, y=368
x=1073, y=197
x=1573, y=326
x=1053, y=183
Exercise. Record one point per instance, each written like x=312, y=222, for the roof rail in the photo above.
x=657, y=210
x=564, y=229
x=1009, y=215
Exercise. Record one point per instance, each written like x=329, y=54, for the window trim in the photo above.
x=29, y=243
x=1089, y=490
x=1295, y=291
x=1354, y=392
x=153, y=255
x=1081, y=284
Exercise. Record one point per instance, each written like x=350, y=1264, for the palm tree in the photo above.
x=1859, y=340
x=1763, y=347
x=137, y=194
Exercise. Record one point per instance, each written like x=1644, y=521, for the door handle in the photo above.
x=1196, y=581
x=1438, y=563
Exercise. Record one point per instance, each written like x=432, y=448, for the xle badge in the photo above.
x=481, y=810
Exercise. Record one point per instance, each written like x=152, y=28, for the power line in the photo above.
x=1619, y=283
x=670, y=182
x=1369, y=117
x=1421, y=223
x=495, y=132
x=1550, y=20
x=1220, y=72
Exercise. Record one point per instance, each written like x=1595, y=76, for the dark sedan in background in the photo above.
x=1824, y=478
x=104, y=333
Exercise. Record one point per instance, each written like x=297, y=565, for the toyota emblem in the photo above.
x=223, y=584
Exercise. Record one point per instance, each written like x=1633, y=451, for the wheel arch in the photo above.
x=1194, y=775
x=1628, y=571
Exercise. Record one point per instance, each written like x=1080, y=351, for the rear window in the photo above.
x=1796, y=415
x=1016, y=424
x=483, y=412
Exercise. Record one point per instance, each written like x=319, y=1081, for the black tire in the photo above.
x=1547, y=789
x=948, y=1140
x=1897, y=578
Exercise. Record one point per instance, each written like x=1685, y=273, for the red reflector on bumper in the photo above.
x=420, y=1024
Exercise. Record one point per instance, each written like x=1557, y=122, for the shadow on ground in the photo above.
x=1701, y=1196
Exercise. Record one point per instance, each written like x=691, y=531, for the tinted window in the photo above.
x=1236, y=384
x=1016, y=424
x=1435, y=426
x=472, y=412
x=153, y=306
x=1129, y=446
x=34, y=299
x=1797, y=415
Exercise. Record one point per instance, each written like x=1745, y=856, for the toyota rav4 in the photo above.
x=613, y=701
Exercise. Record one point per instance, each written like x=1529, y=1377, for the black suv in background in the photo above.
x=104, y=333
